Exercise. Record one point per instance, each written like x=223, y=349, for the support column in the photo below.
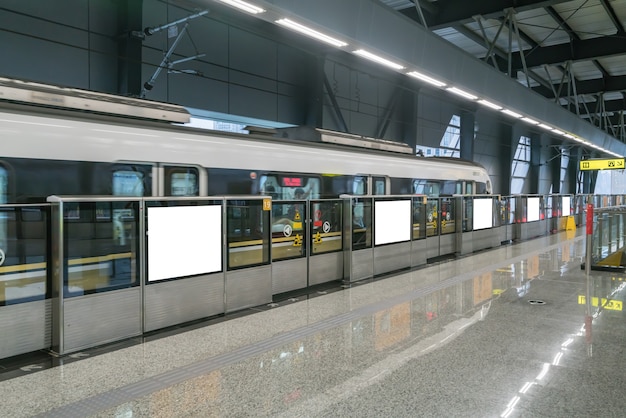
x=468, y=120
x=408, y=113
x=535, y=163
x=129, y=46
x=555, y=170
x=505, y=163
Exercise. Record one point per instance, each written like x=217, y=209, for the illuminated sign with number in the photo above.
x=292, y=181
x=607, y=164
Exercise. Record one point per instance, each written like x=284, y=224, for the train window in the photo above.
x=426, y=187
x=481, y=188
x=4, y=181
x=379, y=186
x=290, y=187
x=469, y=188
x=452, y=187
x=128, y=183
x=359, y=186
x=181, y=181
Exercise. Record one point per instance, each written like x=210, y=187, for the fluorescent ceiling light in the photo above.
x=511, y=113
x=529, y=120
x=426, y=79
x=558, y=131
x=489, y=104
x=242, y=5
x=462, y=93
x=376, y=58
x=544, y=126
x=311, y=32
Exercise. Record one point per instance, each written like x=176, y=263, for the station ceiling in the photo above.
x=571, y=52
x=558, y=62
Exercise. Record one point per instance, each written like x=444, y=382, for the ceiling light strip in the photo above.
x=245, y=6
x=462, y=93
x=311, y=32
x=511, y=113
x=427, y=79
x=372, y=57
x=489, y=104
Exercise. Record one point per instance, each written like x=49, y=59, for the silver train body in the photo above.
x=32, y=135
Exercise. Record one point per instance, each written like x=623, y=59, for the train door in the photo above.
x=181, y=180
x=291, y=226
x=380, y=185
x=4, y=189
x=468, y=187
x=129, y=179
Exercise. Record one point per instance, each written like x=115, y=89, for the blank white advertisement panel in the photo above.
x=483, y=213
x=566, y=206
x=392, y=221
x=532, y=209
x=184, y=241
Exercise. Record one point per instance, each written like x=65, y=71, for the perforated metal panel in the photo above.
x=432, y=247
x=249, y=287
x=362, y=264
x=392, y=257
x=418, y=253
x=325, y=268
x=25, y=328
x=175, y=302
x=101, y=318
x=289, y=275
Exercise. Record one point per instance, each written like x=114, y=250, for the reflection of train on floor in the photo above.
x=58, y=141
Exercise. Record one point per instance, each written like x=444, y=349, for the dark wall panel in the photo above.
x=68, y=42
x=198, y=92
x=250, y=53
x=40, y=60
x=249, y=101
x=492, y=149
x=66, y=12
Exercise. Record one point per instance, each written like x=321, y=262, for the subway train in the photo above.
x=59, y=141
x=66, y=142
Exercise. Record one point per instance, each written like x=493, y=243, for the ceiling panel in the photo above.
x=619, y=6
x=454, y=37
x=615, y=65
x=541, y=27
x=586, y=70
x=587, y=18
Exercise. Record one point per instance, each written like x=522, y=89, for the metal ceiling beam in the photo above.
x=611, y=106
x=594, y=86
x=614, y=106
x=470, y=34
x=449, y=12
x=576, y=50
x=614, y=120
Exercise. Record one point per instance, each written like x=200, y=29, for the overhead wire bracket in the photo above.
x=165, y=62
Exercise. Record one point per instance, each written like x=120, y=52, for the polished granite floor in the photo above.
x=496, y=334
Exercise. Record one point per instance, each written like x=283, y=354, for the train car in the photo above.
x=58, y=141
